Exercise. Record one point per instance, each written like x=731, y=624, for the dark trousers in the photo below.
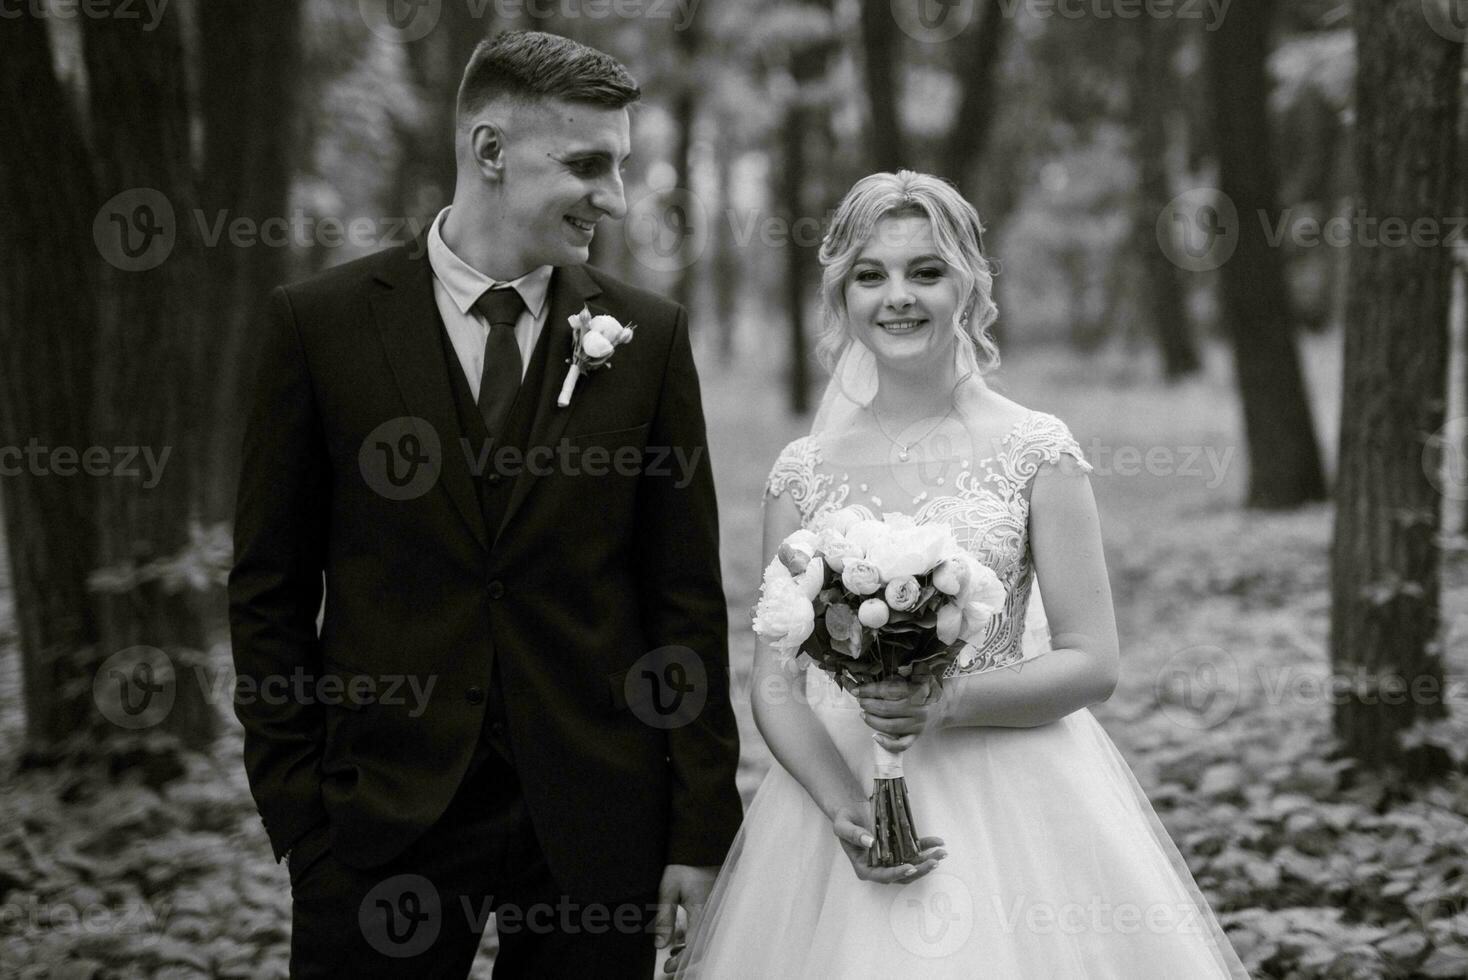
x=422, y=914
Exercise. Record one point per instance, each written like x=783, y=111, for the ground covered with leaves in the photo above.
x=1317, y=871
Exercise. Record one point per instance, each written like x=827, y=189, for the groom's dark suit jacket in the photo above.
x=528, y=593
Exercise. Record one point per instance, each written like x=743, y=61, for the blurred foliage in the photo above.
x=1057, y=179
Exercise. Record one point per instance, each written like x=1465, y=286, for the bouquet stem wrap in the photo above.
x=892, y=824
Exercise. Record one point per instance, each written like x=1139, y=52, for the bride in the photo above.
x=1048, y=862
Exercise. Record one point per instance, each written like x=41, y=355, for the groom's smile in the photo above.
x=562, y=175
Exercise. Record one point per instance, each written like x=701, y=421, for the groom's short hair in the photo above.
x=530, y=65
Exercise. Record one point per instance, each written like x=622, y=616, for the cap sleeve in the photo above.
x=1048, y=438
x=794, y=473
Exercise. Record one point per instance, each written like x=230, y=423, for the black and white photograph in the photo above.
x=734, y=489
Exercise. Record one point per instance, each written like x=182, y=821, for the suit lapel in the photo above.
x=408, y=321
x=570, y=288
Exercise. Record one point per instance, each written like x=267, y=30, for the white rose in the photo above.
x=874, y=614
x=911, y=551
x=812, y=579
x=835, y=548
x=609, y=328
x=953, y=576
x=841, y=521
x=950, y=622
x=861, y=576
x=868, y=535
x=899, y=522
x=596, y=346
x=784, y=616
x=793, y=558
x=976, y=617
x=775, y=570
x=933, y=541
x=984, y=588
x=796, y=550
x=902, y=593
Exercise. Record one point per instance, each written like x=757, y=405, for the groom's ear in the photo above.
x=487, y=147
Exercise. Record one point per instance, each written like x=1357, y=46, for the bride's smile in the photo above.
x=901, y=296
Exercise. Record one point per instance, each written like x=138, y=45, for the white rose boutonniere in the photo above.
x=595, y=339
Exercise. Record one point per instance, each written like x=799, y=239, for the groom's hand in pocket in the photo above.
x=899, y=710
x=853, y=825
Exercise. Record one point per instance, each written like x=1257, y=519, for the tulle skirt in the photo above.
x=1057, y=869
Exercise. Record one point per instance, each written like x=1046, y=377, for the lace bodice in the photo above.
x=985, y=502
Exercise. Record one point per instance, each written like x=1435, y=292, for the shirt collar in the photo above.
x=465, y=284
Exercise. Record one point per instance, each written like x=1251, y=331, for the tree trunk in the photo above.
x=47, y=327
x=798, y=265
x=880, y=54
x=979, y=69
x=805, y=115
x=152, y=352
x=685, y=119
x=1284, y=457
x=1461, y=319
x=1385, y=559
x=429, y=170
x=1162, y=298
x=727, y=272
x=248, y=60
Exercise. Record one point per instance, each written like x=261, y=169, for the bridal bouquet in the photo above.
x=870, y=600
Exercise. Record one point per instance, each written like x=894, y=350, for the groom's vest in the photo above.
x=494, y=486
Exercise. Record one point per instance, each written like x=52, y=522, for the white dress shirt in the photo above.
x=457, y=286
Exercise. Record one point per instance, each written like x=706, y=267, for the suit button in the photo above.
x=496, y=589
x=498, y=728
x=494, y=479
x=474, y=695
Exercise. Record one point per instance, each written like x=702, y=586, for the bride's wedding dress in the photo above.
x=1057, y=866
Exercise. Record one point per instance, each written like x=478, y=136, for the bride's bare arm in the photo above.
x=1082, y=665
x=782, y=713
x=800, y=742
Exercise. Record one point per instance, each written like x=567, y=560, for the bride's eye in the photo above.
x=867, y=276
x=928, y=275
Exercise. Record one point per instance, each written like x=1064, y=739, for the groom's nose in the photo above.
x=609, y=196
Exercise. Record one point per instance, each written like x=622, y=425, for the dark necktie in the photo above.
x=500, y=379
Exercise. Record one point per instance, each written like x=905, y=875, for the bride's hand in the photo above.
x=899, y=710
x=853, y=825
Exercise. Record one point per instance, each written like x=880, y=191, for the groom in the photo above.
x=513, y=590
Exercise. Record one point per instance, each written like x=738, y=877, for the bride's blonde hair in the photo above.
x=957, y=231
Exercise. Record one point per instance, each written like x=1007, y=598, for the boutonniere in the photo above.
x=594, y=340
